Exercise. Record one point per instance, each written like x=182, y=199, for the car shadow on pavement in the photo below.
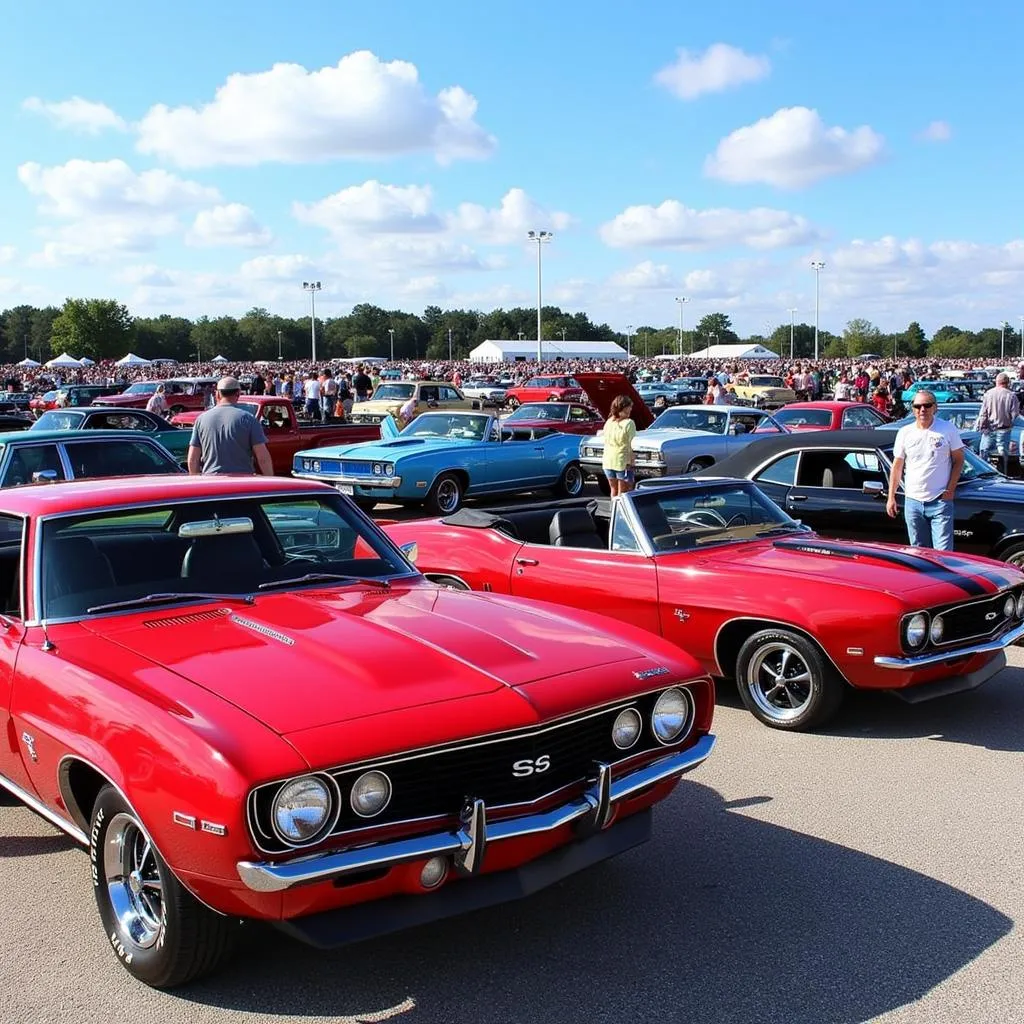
x=720, y=917
x=33, y=846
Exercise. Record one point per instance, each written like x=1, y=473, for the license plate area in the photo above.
x=345, y=489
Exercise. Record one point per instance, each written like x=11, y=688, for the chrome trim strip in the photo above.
x=360, y=481
x=44, y=812
x=938, y=657
x=466, y=844
x=258, y=627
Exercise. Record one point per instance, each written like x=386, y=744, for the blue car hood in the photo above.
x=386, y=450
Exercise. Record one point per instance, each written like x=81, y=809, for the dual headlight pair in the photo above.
x=383, y=469
x=670, y=718
x=306, y=808
x=920, y=627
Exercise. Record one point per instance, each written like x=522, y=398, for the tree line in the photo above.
x=105, y=329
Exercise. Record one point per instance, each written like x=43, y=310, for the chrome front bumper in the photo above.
x=468, y=844
x=914, y=661
x=354, y=481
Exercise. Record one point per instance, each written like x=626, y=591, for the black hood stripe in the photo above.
x=986, y=572
x=966, y=583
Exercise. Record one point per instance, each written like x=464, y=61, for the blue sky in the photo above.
x=207, y=157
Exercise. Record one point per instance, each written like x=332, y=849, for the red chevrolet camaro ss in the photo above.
x=717, y=568
x=246, y=702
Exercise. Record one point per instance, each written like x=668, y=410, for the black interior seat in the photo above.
x=233, y=561
x=838, y=474
x=574, y=528
x=75, y=565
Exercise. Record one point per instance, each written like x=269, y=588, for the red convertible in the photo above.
x=246, y=702
x=565, y=417
x=717, y=568
x=827, y=415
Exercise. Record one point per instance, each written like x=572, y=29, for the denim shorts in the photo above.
x=620, y=474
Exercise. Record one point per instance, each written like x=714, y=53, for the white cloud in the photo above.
x=231, y=224
x=77, y=115
x=718, y=68
x=278, y=268
x=673, y=225
x=792, y=149
x=507, y=224
x=361, y=108
x=372, y=208
x=937, y=131
x=7, y=253
x=644, y=275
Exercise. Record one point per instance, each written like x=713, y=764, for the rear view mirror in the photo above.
x=874, y=488
x=215, y=527
x=45, y=476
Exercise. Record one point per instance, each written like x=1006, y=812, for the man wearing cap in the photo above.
x=226, y=439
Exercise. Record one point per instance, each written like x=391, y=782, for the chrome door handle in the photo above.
x=527, y=561
x=798, y=497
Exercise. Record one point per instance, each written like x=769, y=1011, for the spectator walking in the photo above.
x=157, y=403
x=1000, y=408
x=226, y=439
x=929, y=455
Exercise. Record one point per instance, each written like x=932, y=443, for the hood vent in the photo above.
x=186, y=620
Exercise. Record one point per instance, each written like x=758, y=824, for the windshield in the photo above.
x=552, y=411
x=393, y=392
x=229, y=547
x=141, y=389
x=442, y=424
x=804, y=417
x=57, y=420
x=692, y=419
x=975, y=466
x=767, y=382
x=681, y=519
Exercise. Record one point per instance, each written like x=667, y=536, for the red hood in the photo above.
x=603, y=388
x=122, y=400
x=306, y=660
x=186, y=419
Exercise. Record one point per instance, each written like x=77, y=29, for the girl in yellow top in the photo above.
x=617, y=461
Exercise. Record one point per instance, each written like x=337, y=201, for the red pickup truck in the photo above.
x=181, y=393
x=285, y=436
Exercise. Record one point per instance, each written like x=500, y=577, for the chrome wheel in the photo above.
x=779, y=681
x=513, y=403
x=449, y=495
x=1015, y=557
x=135, y=886
x=572, y=481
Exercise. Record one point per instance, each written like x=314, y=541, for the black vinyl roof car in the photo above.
x=837, y=483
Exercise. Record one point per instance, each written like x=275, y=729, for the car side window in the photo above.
x=623, y=536
x=125, y=458
x=428, y=394
x=781, y=471
x=577, y=413
x=842, y=470
x=31, y=459
x=10, y=566
x=862, y=417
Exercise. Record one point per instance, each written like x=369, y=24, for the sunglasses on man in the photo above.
x=923, y=405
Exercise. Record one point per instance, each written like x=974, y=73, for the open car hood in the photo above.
x=312, y=658
x=603, y=388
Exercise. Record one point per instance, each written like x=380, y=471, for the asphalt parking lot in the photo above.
x=872, y=871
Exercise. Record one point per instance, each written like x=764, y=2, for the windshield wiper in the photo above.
x=325, y=577
x=141, y=602
x=777, y=531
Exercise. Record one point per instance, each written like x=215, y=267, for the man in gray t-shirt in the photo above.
x=226, y=439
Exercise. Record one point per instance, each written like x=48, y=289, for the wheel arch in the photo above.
x=1005, y=543
x=457, y=471
x=735, y=632
x=439, y=577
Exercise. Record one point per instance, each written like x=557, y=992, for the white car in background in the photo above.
x=487, y=389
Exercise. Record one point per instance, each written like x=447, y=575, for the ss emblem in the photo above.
x=531, y=766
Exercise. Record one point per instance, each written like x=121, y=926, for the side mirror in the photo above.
x=411, y=551
x=45, y=476
x=874, y=488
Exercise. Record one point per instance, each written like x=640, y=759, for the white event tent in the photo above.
x=501, y=351
x=132, y=360
x=28, y=363
x=218, y=359
x=735, y=352
x=62, y=360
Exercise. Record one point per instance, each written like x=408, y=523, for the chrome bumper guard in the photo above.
x=468, y=845
x=939, y=657
x=355, y=481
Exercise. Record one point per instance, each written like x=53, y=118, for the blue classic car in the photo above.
x=443, y=457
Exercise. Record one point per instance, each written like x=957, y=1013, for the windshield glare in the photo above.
x=682, y=520
x=454, y=425
x=140, y=389
x=393, y=392
x=692, y=419
x=55, y=420
x=107, y=557
x=800, y=417
x=554, y=411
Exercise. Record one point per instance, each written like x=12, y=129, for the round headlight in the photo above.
x=377, y=471
x=626, y=728
x=937, y=630
x=306, y=465
x=670, y=716
x=917, y=629
x=316, y=465
x=371, y=794
x=302, y=810
x=389, y=469
x=1009, y=607
x=1020, y=605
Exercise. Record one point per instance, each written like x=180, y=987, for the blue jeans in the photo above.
x=999, y=438
x=929, y=523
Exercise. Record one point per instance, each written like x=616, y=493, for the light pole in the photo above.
x=1002, y=339
x=792, y=328
x=562, y=332
x=817, y=266
x=449, y=344
x=312, y=287
x=629, y=348
x=539, y=237
x=279, y=346
x=681, y=299
x=391, y=331
x=522, y=334
x=1021, y=336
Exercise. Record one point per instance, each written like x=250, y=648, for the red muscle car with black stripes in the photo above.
x=714, y=566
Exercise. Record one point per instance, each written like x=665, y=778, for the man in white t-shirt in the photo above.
x=928, y=458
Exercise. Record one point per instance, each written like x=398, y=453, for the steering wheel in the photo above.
x=703, y=517
x=739, y=519
x=313, y=555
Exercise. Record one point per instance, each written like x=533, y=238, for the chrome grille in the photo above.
x=971, y=621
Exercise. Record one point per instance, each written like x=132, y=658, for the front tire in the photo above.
x=160, y=932
x=445, y=497
x=512, y=403
x=1014, y=555
x=696, y=465
x=570, y=483
x=785, y=681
